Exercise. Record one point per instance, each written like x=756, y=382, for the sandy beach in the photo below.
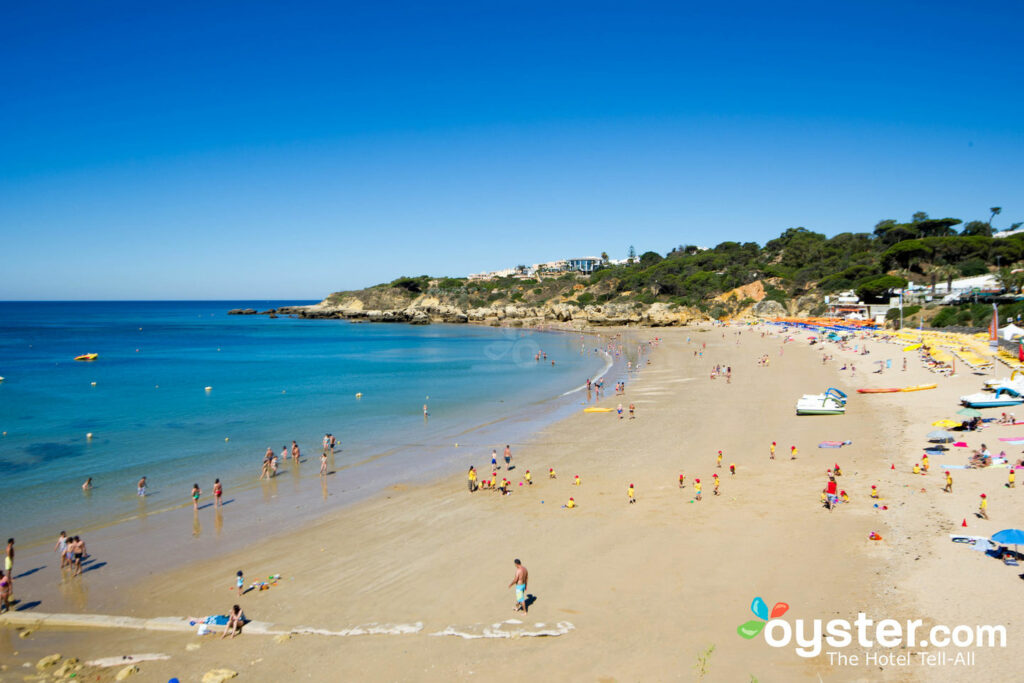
x=651, y=591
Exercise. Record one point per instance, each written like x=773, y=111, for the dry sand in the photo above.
x=635, y=592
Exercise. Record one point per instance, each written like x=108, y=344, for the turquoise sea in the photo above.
x=144, y=400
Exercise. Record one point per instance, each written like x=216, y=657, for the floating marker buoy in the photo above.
x=209, y=388
x=136, y=350
x=89, y=435
x=5, y=433
x=226, y=438
x=359, y=394
x=93, y=383
x=157, y=386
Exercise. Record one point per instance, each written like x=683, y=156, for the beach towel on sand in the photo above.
x=834, y=444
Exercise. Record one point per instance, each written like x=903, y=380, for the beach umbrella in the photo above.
x=946, y=423
x=1008, y=537
x=969, y=412
x=940, y=436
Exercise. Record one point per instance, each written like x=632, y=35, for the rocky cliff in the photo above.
x=395, y=304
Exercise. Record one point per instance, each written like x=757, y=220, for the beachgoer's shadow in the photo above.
x=530, y=599
x=30, y=572
x=28, y=605
x=91, y=567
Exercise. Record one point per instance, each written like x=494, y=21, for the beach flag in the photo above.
x=964, y=523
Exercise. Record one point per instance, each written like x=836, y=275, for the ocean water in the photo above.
x=271, y=381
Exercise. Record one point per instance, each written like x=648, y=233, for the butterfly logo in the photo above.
x=751, y=628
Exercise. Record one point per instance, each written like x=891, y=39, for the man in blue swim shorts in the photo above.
x=519, y=582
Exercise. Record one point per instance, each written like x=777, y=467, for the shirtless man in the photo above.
x=142, y=487
x=519, y=582
x=508, y=457
x=295, y=451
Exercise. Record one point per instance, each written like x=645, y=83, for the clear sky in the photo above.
x=177, y=150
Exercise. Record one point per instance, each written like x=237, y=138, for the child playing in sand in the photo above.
x=697, y=487
x=718, y=460
x=843, y=497
x=682, y=480
x=836, y=472
x=924, y=464
x=551, y=473
x=771, y=451
x=576, y=480
x=917, y=468
x=874, y=491
x=239, y=581
x=732, y=468
x=949, y=483
x=1012, y=479
x=528, y=478
x=792, y=452
x=714, y=478
x=631, y=494
x=983, y=507
x=571, y=504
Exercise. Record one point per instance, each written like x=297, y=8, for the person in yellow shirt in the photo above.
x=632, y=494
x=551, y=473
x=792, y=452
x=472, y=479
x=949, y=483
x=698, y=488
x=771, y=451
x=1013, y=479
x=714, y=478
x=718, y=462
x=983, y=507
x=843, y=497
x=529, y=478
x=874, y=491
x=576, y=480
x=917, y=468
x=571, y=504
x=682, y=480
x=924, y=464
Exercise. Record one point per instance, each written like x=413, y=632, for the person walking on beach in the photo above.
x=195, y=496
x=142, y=487
x=698, y=488
x=949, y=483
x=295, y=451
x=983, y=507
x=632, y=411
x=718, y=460
x=619, y=411
x=631, y=494
x=520, y=581
x=218, y=493
x=78, y=548
x=323, y=463
x=9, y=557
x=240, y=581
x=61, y=546
x=508, y=457
x=771, y=451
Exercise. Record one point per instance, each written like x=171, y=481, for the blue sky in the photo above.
x=288, y=150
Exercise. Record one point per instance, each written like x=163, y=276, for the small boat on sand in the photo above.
x=832, y=402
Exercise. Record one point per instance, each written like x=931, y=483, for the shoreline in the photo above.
x=286, y=503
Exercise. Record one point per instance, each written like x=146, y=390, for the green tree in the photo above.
x=631, y=256
x=996, y=210
x=604, y=257
x=977, y=228
x=879, y=286
x=649, y=258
